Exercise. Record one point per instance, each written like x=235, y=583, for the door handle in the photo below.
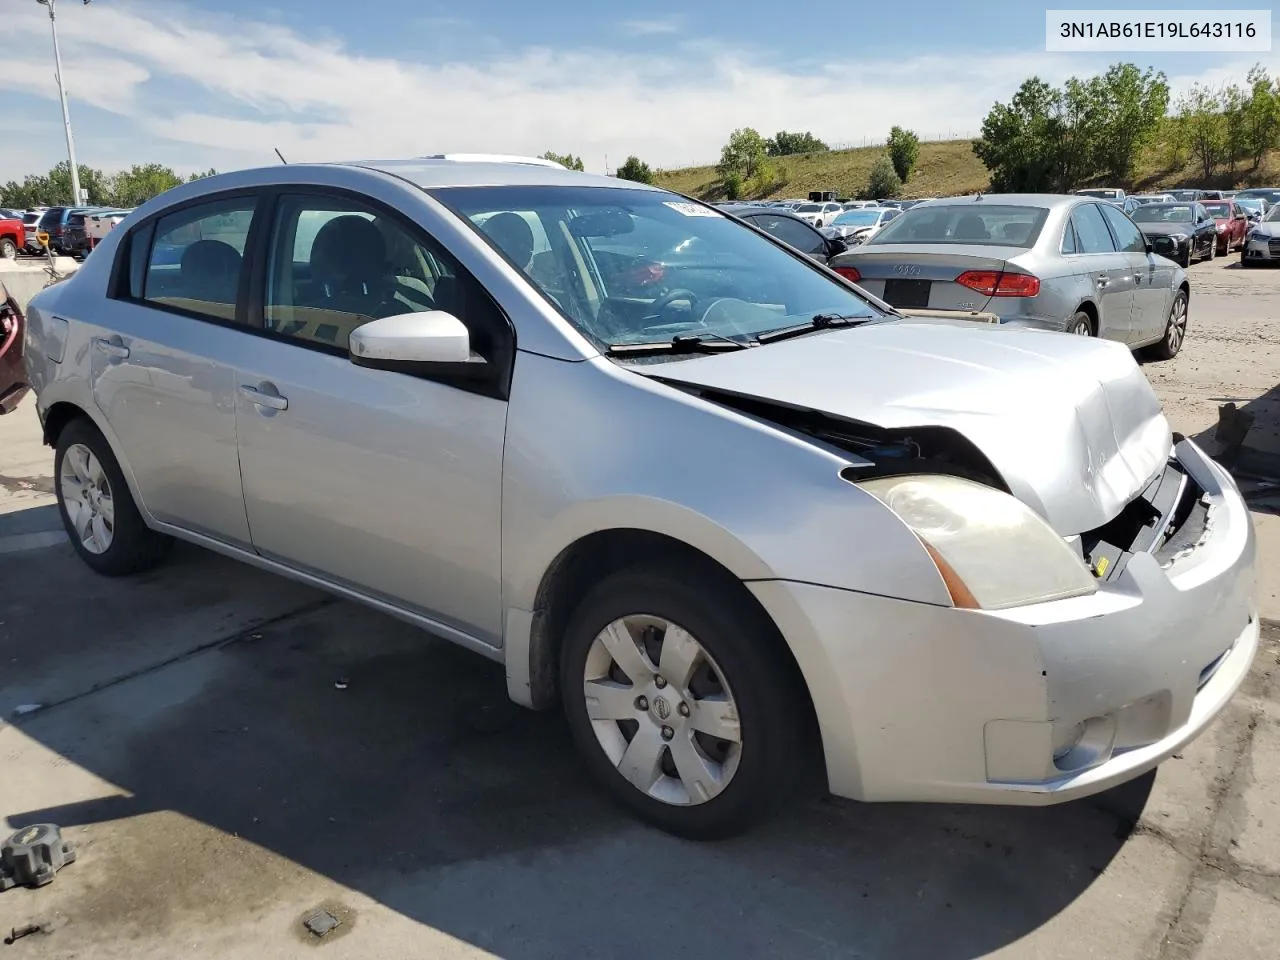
x=112, y=347
x=258, y=395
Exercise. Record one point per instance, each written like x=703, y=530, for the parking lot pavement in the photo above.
x=232, y=753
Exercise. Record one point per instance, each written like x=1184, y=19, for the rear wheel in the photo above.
x=1081, y=325
x=1175, y=330
x=682, y=701
x=97, y=509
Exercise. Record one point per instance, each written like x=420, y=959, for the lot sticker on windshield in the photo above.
x=691, y=209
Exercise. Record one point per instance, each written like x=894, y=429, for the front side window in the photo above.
x=1128, y=237
x=335, y=264
x=628, y=266
x=791, y=232
x=195, y=257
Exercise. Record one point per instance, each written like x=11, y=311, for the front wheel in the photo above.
x=1175, y=330
x=1213, y=249
x=683, y=702
x=8, y=249
x=97, y=509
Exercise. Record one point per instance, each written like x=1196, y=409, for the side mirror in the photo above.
x=836, y=246
x=396, y=343
x=1148, y=245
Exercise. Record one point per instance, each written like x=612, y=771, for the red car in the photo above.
x=1231, y=221
x=13, y=378
x=12, y=237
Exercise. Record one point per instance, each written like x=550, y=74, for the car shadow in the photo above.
x=1252, y=455
x=393, y=763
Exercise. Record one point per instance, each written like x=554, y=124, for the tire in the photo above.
x=1175, y=330
x=1213, y=250
x=1081, y=325
x=739, y=653
x=115, y=540
x=1185, y=260
x=8, y=249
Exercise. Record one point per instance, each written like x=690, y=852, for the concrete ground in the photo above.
x=231, y=752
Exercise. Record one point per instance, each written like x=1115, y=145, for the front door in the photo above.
x=384, y=482
x=162, y=364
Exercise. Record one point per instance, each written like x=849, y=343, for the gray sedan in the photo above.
x=1065, y=263
x=676, y=478
x=1262, y=243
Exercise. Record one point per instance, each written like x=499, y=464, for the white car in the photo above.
x=819, y=214
x=856, y=226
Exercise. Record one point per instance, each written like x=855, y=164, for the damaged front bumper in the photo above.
x=1042, y=703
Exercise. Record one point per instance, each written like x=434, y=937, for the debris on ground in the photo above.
x=44, y=926
x=32, y=856
x=321, y=922
x=342, y=684
x=22, y=709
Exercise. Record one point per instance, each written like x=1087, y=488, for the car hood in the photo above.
x=1071, y=423
x=1165, y=229
x=1269, y=228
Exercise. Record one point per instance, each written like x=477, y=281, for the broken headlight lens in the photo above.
x=990, y=548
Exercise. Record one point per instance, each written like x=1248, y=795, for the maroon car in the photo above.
x=1231, y=222
x=13, y=378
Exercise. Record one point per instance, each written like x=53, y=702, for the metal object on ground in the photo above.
x=33, y=855
x=321, y=923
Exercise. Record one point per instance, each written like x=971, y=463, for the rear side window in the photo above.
x=1091, y=230
x=192, y=260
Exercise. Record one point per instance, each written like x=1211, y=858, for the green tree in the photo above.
x=565, y=160
x=904, y=150
x=1232, y=103
x=732, y=182
x=743, y=154
x=1016, y=144
x=633, y=168
x=783, y=144
x=1261, y=115
x=883, y=180
x=54, y=188
x=141, y=182
x=1133, y=104
x=200, y=176
x=1199, y=114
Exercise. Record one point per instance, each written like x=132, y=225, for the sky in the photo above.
x=220, y=83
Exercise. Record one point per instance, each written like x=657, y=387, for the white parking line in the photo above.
x=32, y=541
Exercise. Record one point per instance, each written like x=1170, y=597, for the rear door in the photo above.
x=163, y=355
x=1106, y=270
x=1152, y=278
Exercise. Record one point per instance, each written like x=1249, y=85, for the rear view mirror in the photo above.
x=432, y=336
x=605, y=223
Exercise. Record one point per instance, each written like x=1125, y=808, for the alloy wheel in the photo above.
x=662, y=710
x=87, y=498
x=1177, y=328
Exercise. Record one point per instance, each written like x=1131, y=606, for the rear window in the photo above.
x=76, y=219
x=1164, y=213
x=1218, y=209
x=995, y=225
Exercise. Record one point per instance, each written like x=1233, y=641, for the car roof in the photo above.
x=485, y=170
x=1049, y=201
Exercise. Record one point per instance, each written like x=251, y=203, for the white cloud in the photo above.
x=211, y=90
x=654, y=27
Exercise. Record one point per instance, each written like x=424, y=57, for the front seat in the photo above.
x=209, y=272
x=349, y=271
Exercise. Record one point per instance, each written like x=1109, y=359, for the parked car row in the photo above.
x=72, y=231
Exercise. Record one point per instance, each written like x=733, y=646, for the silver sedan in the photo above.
x=677, y=478
x=1262, y=242
x=1064, y=263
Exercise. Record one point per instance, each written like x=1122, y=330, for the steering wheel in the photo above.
x=673, y=296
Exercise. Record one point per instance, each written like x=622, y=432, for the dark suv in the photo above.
x=56, y=221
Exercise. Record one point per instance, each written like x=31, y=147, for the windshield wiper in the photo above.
x=819, y=321
x=680, y=343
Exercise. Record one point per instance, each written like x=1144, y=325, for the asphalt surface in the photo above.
x=232, y=754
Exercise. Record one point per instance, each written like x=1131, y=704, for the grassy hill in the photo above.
x=945, y=168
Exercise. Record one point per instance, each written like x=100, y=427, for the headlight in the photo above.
x=991, y=549
x=1178, y=237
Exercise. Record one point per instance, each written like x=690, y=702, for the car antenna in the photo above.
x=280, y=155
x=979, y=196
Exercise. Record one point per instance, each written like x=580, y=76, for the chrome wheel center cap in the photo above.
x=664, y=707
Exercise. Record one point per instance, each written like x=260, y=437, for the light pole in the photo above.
x=66, y=114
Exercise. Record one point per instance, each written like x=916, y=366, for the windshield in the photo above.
x=628, y=266
x=808, y=208
x=1184, y=194
x=1218, y=209
x=1163, y=213
x=973, y=223
x=857, y=218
